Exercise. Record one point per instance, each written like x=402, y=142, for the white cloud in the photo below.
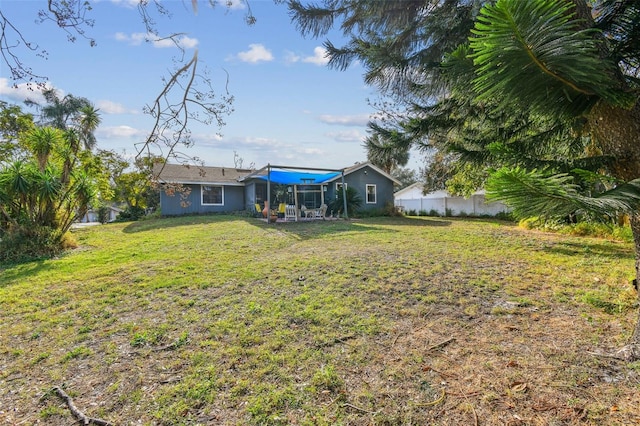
x=136, y=39
x=319, y=57
x=312, y=151
x=23, y=91
x=116, y=132
x=183, y=41
x=256, y=53
x=291, y=58
x=110, y=107
x=126, y=3
x=346, y=120
x=347, y=136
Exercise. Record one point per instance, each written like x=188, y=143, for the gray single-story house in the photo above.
x=203, y=189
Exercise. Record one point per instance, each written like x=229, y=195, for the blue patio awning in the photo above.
x=299, y=178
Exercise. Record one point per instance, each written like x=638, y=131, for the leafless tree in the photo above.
x=186, y=93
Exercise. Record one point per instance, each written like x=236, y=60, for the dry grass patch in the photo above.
x=220, y=320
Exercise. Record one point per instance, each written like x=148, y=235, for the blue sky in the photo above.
x=290, y=109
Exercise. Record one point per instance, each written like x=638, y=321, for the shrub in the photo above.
x=131, y=213
x=354, y=202
x=103, y=214
x=23, y=244
x=392, y=210
x=582, y=229
x=505, y=216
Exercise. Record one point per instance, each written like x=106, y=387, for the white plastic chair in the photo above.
x=290, y=212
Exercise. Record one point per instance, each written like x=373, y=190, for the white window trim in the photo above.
x=339, y=189
x=375, y=193
x=202, y=195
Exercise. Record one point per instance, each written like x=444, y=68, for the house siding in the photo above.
x=242, y=191
x=359, y=180
x=233, y=201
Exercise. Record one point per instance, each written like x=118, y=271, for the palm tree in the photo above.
x=387, y=149
x=71, y=113
x=547, y=57
x=43, y=141
x=88, y=121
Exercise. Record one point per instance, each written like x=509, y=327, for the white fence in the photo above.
x=454, y=206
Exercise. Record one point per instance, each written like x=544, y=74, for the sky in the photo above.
x=289, y=107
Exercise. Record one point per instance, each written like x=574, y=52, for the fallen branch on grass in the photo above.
x=435, y=402
x=441, y=344
x=336, y=340
x=84, y=419
x=630, y=352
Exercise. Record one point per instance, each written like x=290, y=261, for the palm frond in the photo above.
x=534, y=194
x=534, y=53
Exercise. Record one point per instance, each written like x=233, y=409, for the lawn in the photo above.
x=388, y=321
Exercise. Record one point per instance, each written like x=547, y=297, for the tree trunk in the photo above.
x=617, y=133
x=635, y=229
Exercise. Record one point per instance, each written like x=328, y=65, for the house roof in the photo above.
x=433, y=194
x=410, y=188
x=358, y=166
x=190, y=174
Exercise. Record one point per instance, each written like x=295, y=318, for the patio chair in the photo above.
x=307, y=213
x=290, y=212
x=321, y=212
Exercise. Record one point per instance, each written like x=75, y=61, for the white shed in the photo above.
x=412, y=198
x=91, y=215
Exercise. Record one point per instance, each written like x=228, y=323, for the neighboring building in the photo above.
x=412, y=198
x=92, y=215
x=222, y=189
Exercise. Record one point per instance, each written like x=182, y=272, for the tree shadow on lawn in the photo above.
x=406, y=221
x=14, y=273
x=305, y=229
x=609, y=251
x=319, y=228
x=178, y=221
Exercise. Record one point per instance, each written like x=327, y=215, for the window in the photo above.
x=339, y=188
x=371, y=194
x=212, y=195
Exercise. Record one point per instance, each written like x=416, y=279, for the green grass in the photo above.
x=227, y=320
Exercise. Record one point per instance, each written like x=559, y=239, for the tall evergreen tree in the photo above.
x=544, y=87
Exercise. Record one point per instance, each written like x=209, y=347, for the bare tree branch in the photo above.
x=11, y=39
x=70, y=16
x=82, y=418
x=187, y=96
